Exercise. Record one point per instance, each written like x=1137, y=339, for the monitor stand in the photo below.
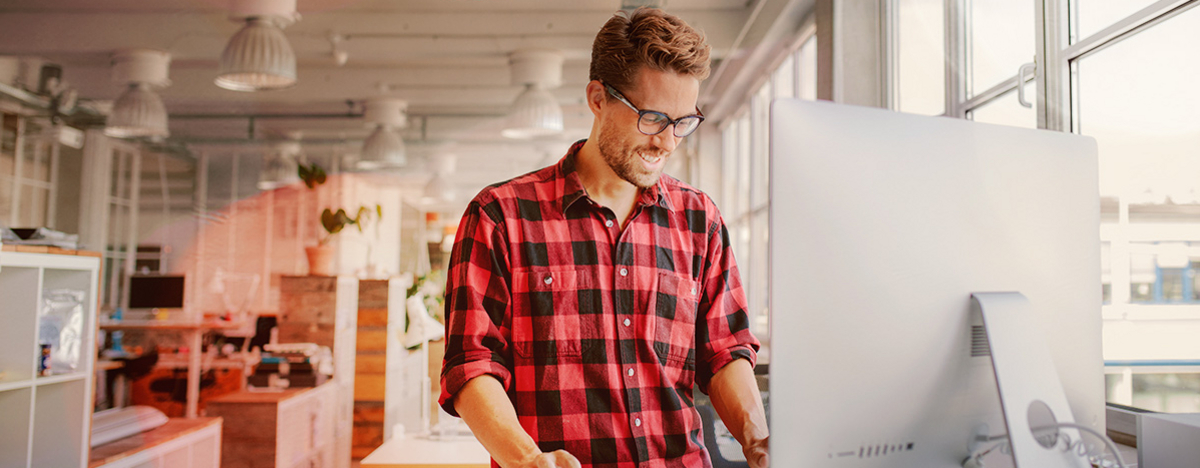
x=1031, y=395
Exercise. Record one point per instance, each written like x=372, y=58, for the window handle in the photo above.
x=1032, y=67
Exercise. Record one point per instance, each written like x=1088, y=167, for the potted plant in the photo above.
x=320, y=256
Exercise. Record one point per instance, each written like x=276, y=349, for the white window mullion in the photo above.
x=14, y=216
x=1053, y=72
x=957, y=43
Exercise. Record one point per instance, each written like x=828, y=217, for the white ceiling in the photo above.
x=448, y=58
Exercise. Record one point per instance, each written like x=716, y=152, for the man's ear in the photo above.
x=596, y=96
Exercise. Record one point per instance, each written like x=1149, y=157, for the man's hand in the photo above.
x=555, y=459
x=757, y=453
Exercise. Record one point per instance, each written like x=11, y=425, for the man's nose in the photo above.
x=666, y=139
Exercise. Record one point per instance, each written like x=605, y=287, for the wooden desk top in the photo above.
x=418, y=452
x=128, y=446
x=261, y=397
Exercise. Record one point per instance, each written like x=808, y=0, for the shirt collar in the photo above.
x=572, y=189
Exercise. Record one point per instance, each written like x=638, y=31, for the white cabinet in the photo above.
x=45, y=418
x=181, y=443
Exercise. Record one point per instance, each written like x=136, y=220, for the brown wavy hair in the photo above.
x=647, y=37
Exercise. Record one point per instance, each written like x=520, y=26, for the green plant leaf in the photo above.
x=334, y=222
x=312, y=175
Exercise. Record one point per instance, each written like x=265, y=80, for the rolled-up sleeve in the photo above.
x=477, y=296
x=723, y=334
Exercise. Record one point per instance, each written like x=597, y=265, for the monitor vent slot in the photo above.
x=979, y=342
x=881, y=450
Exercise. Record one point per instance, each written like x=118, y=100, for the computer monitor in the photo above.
x=156, y=291
x=882, y=226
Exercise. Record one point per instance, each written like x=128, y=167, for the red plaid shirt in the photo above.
x=598, y=335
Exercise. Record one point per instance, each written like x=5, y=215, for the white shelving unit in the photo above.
x=45, y=420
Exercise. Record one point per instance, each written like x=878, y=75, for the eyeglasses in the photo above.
x=654, y=122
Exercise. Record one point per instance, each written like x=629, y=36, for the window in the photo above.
x=1120, y=72
x=1132, y=93
x=746, y=177
x=28, y=170
x=921, y=62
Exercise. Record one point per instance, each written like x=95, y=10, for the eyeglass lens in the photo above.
x=651, y=123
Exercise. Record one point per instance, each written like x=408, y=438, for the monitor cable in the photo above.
x=1079, y=447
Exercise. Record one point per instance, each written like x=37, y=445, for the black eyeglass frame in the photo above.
x=674, y=123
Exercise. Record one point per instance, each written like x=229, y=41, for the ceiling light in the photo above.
x=280, y=168
x=384, y=149
x=439, y=190
x=259, y=57
x=139, y=112
x=535, y=112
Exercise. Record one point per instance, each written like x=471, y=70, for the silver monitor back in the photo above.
x=882, y=225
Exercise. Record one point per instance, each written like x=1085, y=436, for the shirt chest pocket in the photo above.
x=674, y=326
x=549, y=308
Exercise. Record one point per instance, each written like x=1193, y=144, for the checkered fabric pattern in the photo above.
x=598, y=335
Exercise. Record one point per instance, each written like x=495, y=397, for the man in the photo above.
x=586, y=300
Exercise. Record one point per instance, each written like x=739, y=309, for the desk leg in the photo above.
x=193, y=377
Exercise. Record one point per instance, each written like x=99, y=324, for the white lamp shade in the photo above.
x=384, y=149
x=139, y=112
x=278, y=171
x=535, y=113
x=257, y=58
x=439, y=189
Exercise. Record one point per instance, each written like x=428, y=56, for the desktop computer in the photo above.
x=882, y=228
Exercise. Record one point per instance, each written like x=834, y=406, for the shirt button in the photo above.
x=693, y=290
x=608, y=223
x=631, y=372
x=624, y=272
x=549, y=279
x=637, y=422
x=627, y=322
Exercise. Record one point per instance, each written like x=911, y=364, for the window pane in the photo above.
x=743, y=166
x=36, y=153
x=1138, y=99
x=1002, y=38
x=729, y=145
x=760, y=157
x=758, y=280
x=1095, y=15
x=921, y=66
x=8, y=143
x=6, y=186
x=32, y=210
x=1005, y=110
x=783, y=81
x=807, y=63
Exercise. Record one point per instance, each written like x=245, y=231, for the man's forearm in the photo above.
x=736, y=398
x=485, y=407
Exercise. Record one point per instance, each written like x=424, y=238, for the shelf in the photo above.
x=15, y=384
x=34, y=260
x=54, y=379
x=14, y=437
x=62, y=414
x=166, y=325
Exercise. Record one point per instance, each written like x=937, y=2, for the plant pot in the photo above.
x=320, y=260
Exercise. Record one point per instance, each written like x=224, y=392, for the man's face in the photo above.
x=636, y=157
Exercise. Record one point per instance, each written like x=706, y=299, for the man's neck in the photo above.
x=603, y=185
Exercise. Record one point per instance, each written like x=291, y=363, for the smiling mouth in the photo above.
x=650, y=159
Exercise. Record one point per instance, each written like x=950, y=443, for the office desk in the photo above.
x=418, y=452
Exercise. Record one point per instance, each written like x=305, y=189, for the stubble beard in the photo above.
x=626, y=161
